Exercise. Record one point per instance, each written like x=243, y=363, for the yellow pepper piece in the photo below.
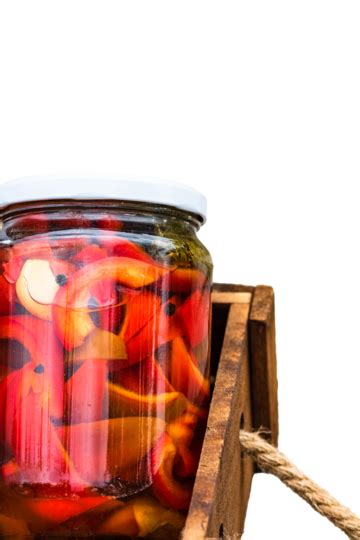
x=100, y=345
x=150, y=515
x=123, y=402
x=141, y=516
x=16, y=529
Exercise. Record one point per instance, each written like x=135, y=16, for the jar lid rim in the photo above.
x=90, y=187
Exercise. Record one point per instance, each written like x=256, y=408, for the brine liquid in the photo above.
x=104, y=387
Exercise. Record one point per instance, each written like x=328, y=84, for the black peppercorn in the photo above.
x=39, y=368
x=61, y=279
x=170, y=309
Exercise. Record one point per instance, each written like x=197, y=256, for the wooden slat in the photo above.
x=263, y=362
x=225, y=297
x=222, y=476
x=243, y=365
x=232, y=287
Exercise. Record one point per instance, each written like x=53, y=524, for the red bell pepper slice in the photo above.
x=12, y=268
x=89, y=255
x=9, y=471
x=4, y=370
x=71, y=220
x=42, y=366
x=129, y=312
x=109, y=222
x=7, y=297
x=36, y=447
x=185, y=375
x=166, y=488
x=162, y=328
x=182, y=433
x=187, y=462
x=44, y=357
x=38, y=223
x=122, y=247
x=107, y=305
x=39, y=338
x=101, y=451
x=145, y=377
x=65, y=247
x=123, y=270
x=194, y=313
x=72, y=324
x=34, y=248
x=183, y=280
x=41, y=223
x=26, y=427
x=11, y=387
x=112, y=301
x=111, y=318
x=140, y=309
x=87, y=394
x=43, y=514
x=33, y=223
x=49, y=247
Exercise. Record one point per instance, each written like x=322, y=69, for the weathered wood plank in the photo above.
x=231, y=297
x=243, y=366
x=231, y=287
x=263, y=372
x=219, y=487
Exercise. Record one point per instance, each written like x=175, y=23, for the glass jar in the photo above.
x=104, y=357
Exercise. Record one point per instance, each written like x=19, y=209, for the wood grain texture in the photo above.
x=243, y=366
x=228, y=297
x=217, y=497
x=263, y=370
x=232, y=287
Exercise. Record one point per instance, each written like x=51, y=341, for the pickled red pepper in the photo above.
x=104, y=388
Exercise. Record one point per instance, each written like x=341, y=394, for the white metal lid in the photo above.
x=151, y=190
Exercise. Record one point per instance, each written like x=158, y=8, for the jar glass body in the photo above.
x=104, y=367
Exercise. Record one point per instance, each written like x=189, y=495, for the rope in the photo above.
x=270, y=460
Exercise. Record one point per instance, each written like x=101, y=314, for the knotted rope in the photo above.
x=270, y=460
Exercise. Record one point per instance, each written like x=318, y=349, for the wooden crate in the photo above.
x=243, y=368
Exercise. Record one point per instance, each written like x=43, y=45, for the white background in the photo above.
x=256, y=103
